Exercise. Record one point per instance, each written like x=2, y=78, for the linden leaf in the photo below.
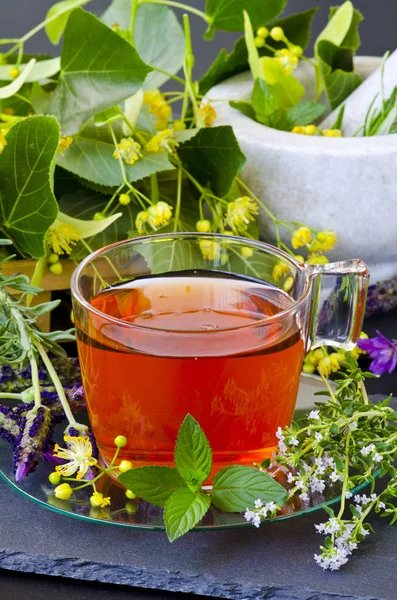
x=57, y=17
x=98, y=70
x=226, y=15
x=27, y=203
x=183, y=510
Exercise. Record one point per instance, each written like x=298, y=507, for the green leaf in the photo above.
x=253, y=54
x=352, y=37
x=42, y=69
x=338, y=26
x=193, y=456
x=27, y=202
x=264, y=99
x=59, y=13
x=98, y=70
x=236, y=488
x=336, y=64
x=132, y=108
x=304, y=113
x=287, y=90
x=85, y=228
x=107, y=116
x=213, y=157
x=183, y=510
x=153, y=484
x=39, y=99
x=245, y=107
x=226, y=15
x=153, y=22
x=14, y=87
x=297, y=29
x=90, y=156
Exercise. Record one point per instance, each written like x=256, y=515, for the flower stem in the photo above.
x=187, y=69
x=35, y=378
x=37, y=276
x=178, y=199
x=170, y=75
x=134, y=8
x=185, y=7
x=154, y=188
x=11, y=395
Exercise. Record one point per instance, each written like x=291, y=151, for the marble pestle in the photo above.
x=358, y=103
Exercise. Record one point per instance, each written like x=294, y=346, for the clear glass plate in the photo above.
x=139, y=514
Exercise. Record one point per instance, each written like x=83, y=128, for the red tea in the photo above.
x=201, y=343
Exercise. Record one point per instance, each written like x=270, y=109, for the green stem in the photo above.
x=37, y=276
x=112, y=199
x=187, y=69
x=191, y=9
x=154, y=186
x=170, y=75
x=263, y=206
x=35, y=379
x=134, y=8
x=178, y=199
x=57, y=383
x=11, y=395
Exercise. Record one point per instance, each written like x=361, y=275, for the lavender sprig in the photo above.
x=32, y=440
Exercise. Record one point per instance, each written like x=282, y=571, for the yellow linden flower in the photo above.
x=279, y=270
x=288, y=59
x=141, y=220
x=328, y=364
x=161, y=141
x=78, y=454
x=301, y=237
x=317, y=259
x=240, y=213
x=161, y=124
x=213, y=251
x=207, y=113
x=332, y=133
x=158, y=107
x=98, y=501
x=61, y=239
x=159, y=214
x=64, y=144
x=357, y=351
x=305, y=129
x=179, y=125
x=325, y=240
x=129, y=150
x=3, y=142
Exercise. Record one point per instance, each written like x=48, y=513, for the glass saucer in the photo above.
x=140, y=515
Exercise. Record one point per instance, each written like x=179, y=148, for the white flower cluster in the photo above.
x=323, y=472
x=344, y=544
x=261, y=511
x=370, y=450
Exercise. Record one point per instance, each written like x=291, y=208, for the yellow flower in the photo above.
x=357, y=351
x=161, y=124
x=161, y=141
x=3, y=142
x=207, y=113
x=325, y=240
x=141, y=220
x=317, y=259
x=79, y=455
x=64, y=144
x=289, y=282
x=301, y=237
x=213, y=251
x=179, y=125
x=279, y=270
x=332, y=133
x=262, y=32
x=159, y=215
x=158, y=107
x=240, y=213
x=61, y=239
x=305, y=129
x=151, y=96
x=98, y=501
x=129, y=150
x=277, y=34
x=329, y=364
x=288, y=59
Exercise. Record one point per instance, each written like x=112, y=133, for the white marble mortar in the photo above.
x=348, y=185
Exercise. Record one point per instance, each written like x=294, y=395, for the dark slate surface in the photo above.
x=272, y=563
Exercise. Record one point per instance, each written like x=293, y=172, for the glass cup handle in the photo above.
x=339, y=292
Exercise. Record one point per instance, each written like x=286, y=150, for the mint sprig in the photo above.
x=180, y=490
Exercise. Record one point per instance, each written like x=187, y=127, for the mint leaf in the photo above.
x=245, y=107
x=98, y=70
x=27, y=203
x=226, y=15
x=183, y=510
x=213, y=157
x=193, y=456
x=153, y=484
x=264, y=100
x=236, y=488
x=304, y=113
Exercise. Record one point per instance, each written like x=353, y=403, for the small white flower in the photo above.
x=290, y=478
x=353, y=425
x=263, y=512
x=271, y=507
x=256, y=521
x=293, y=441
x=318, y=437
x=314, y=415
x=335, y=476
x=279, y=434
x=348, y=495
x=249, y=515
x=357, y=498
x=317, y=485
x=258, y=503
x=304, y=497
x=358, y=509
x=320, y=527
x=368, y=450
x=373, y=496
x=382, y=505
x=300, y=484
x=332, y=526
x=377, y=457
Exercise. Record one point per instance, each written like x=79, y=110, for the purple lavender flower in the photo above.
x=382, y=351
x=32, y=441
x=9, y=425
